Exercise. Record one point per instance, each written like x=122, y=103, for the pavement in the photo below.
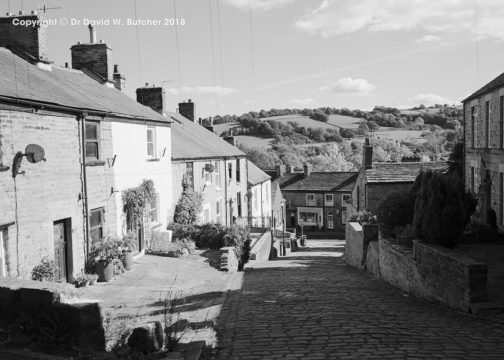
x=311, y=305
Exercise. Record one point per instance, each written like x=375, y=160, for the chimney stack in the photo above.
x=186, y=109
x=152, y=97
x=30, y=39
x=289, y=169
x=92, y=34
x=307, y=168
x=280, y=170
x=95, y=57
x=231, y=140
x=367, y=155
x=119, y=80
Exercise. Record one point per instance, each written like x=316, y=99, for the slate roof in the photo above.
x=400, y=172
x=492, y=85
x=73, y=89
x=318, y=181
x=191, y=141
x=256, y=175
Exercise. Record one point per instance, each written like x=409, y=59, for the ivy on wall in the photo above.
x=135, y=200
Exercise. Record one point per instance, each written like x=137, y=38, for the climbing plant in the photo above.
x=135, y=200
x=188, y=207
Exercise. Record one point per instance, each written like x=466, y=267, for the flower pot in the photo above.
x=128, y=260
x=92, y=282
x=105, y=270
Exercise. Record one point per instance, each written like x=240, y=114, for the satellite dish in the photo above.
x=34, y=153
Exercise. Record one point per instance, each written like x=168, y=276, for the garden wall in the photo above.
x=261, y=248
x=53, y=314
x=426, y=271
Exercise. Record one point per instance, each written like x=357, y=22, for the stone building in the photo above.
x=259, y=190
x=377, y=180
x=484, y=148
x=316, y=200
x=58, y=206
x=203, y=161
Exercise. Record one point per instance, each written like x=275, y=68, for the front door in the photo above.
x=330, y=221
x=60, y=250
x=3, y=267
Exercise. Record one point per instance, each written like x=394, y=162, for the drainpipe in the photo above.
x=464, y=146
x=226, y=190
x=84, y=183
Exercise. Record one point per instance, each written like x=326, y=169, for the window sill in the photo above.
x=153, y=159
x=95, y=163
x=5, y=226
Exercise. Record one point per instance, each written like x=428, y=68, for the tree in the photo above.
x=319, y=116
x=188, y=207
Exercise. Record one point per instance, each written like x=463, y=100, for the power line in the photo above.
x=252, y=50
x=178, y=51
x=8, y=4
x=138, y=44
x=476, y=41
x=220, y=44
x=213, y=57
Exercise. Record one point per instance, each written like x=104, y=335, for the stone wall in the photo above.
x=229, y=261
x=359, y=237
x=52, y=309
x=426, y=271
x=261, y=248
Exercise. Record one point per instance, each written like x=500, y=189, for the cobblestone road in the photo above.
x=313, y=306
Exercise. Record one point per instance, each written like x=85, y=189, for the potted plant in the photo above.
x=93, y=278
x=104, y=252
x=82, y=280
x=129, y=245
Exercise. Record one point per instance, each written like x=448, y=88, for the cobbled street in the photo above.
x=310, y=305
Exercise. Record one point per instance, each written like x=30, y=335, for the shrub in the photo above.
x=106, y=249
x=45, y=271
x=183, y=231
x=319, y=116
x=210, y=236
x=238, y=237
x=179, y=248
x=188, y=207
x=363, y=217
x=442, y=208
x=396, y=210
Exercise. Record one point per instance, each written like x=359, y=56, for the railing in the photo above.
x=262, y=222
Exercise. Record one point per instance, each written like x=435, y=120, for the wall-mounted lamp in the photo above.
x=111, y=161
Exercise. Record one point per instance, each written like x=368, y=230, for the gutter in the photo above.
x=464, y=145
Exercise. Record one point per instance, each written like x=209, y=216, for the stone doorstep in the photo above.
x=487, y=307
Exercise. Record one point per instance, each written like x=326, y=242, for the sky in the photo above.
x=234, y=56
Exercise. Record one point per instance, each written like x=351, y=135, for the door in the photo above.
x=330, y=221
x=60, y=250
x=3, y=266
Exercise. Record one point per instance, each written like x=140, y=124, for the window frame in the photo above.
x=239, y=204
x=343, y=217
x=96, y=141
x=230, y=170
x=238, y=171
x=474, y=129
x=100, y=226
x=343, y=201
x=154, y=142
x=218, y=180
x=156, y=210
x=313, y=202
x=329, y=203
x=330, y=221
x=218, y=211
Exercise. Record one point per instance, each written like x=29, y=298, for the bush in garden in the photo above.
x=442, y=208
x=183, y=231
x=45, y=271
x=363, y=217
x=238, y=237
x=210, y=236
x=395, y=211
x=188, y=207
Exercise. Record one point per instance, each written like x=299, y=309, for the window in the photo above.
x=256, y=198
x=239, y=204
x=346, y=199
x=358, y=198
x=207, y=174
x=330, y=221
x=501, y=199
x=3, y=265
x=92, y=141
x=218, y=212
x=96, y=224
x=343, y=217
x=230, y=171
x=329, y=200
x=472, y=180
x=189, y=178
x=310, y=200
x=153, y=212
x=151, y=142
x=473, y=120
x=487, y=124
x=238, y=175
x=217, y=174
x=501, y=118
x=266, y=192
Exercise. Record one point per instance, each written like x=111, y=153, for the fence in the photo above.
x=262, y=222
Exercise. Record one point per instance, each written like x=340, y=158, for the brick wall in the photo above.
x=481, y=155
x=48, y=191
x=32, y=39
x=94, y=57
x=152, y=97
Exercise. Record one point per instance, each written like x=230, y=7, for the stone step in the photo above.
x=487, y=307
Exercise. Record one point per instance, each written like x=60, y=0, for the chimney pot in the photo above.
x=66, y=65
x=20, y=12
x=92, y=34
x=116, y=69
x=33, y=12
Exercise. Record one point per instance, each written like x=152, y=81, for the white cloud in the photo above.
x=202, y=90
x=432, y=99
x=302, y=102
x=333, y=17
x=429, y=39
x=350, y=86
x=257, y=4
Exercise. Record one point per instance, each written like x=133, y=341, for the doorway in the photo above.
x=62, y=249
